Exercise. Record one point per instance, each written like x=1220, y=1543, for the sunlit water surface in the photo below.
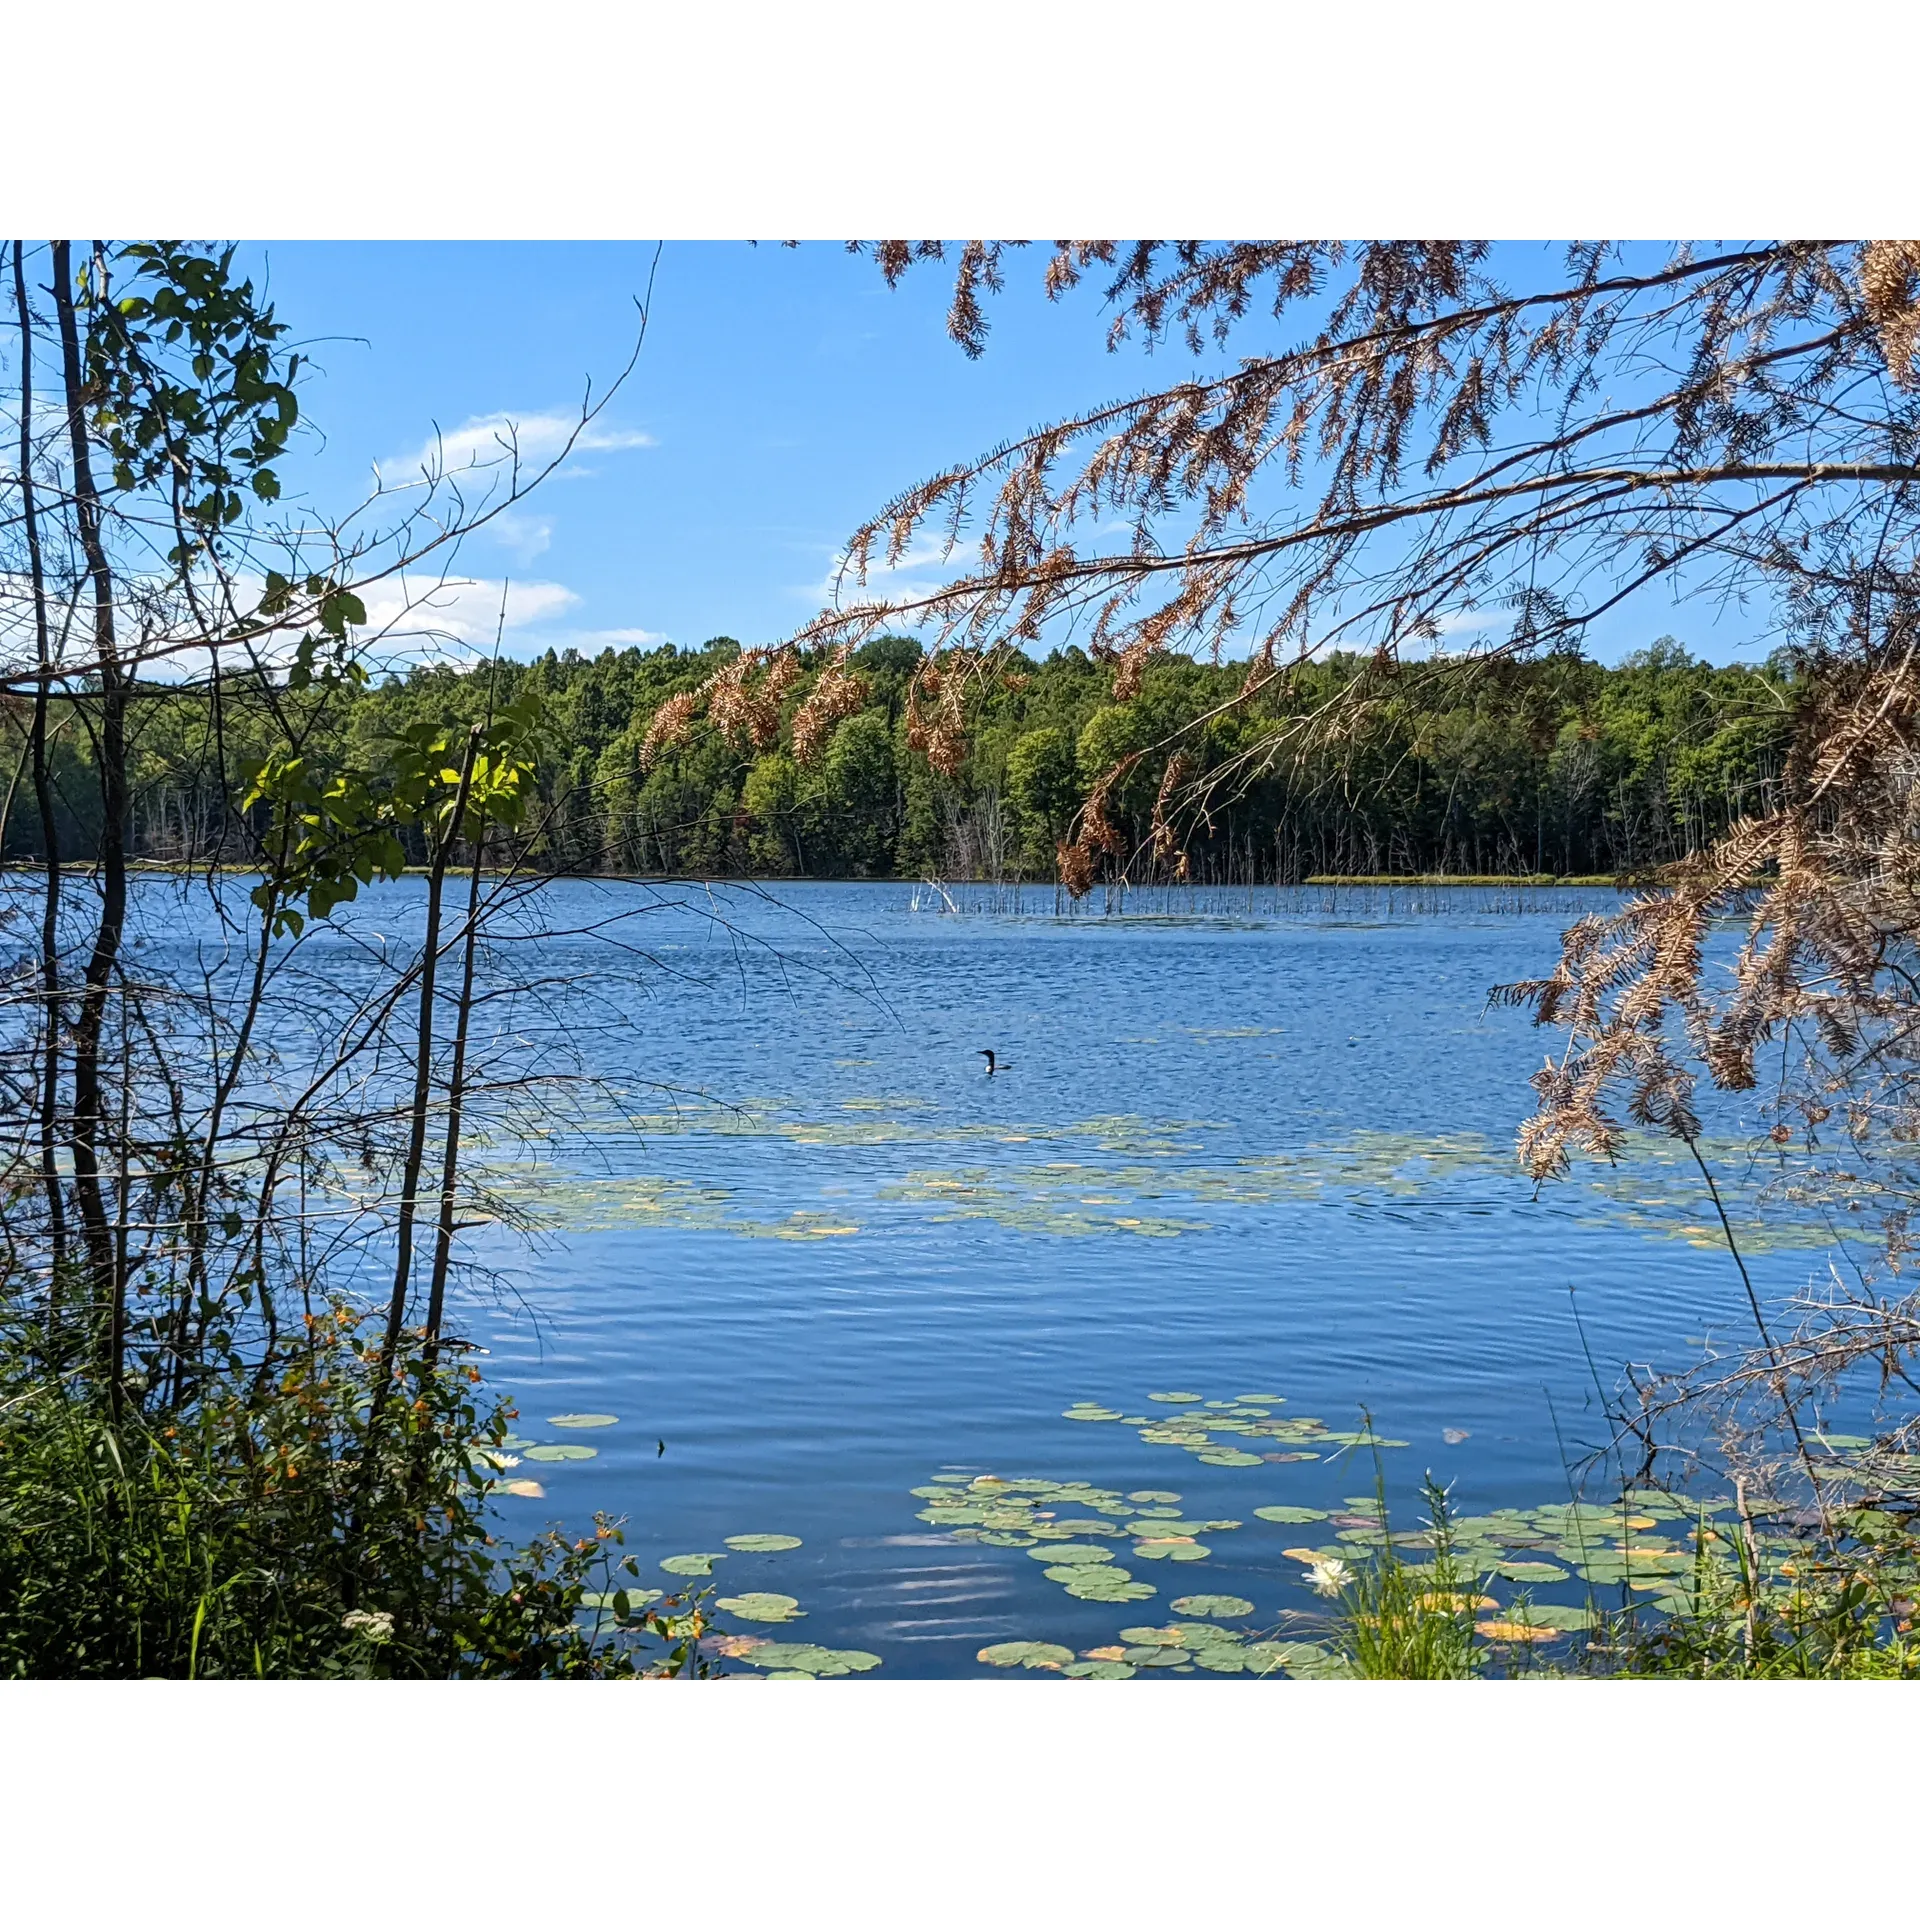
x=1261, y=1150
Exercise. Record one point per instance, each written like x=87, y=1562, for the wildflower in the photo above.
x=376, y=1626
x=1329, y=1576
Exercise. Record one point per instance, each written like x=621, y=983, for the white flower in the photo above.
x=376, y=1626
x=1329, y=1576
x=504, y=1460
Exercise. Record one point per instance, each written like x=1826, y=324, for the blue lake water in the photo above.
x=1260, y=1150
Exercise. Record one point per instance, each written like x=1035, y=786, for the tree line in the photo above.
x=1551, y=766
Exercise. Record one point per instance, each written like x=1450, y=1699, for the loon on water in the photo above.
x=993, y=1066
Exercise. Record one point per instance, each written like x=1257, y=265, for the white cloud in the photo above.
x=490, y=440
x=929, y=560
x=462, y=612
x=525, y=536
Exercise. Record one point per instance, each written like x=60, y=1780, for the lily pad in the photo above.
x=1159, y=1657
x=1290, y=1516
x=1098, y=1670
x=584, y=1420
x=1176, y=1399
x=690, y=1566
x=1170, y=1550
x=768, y=1607
x=798, y=1657
x=1026, y=1653
x=1216, y=1606
x=1092, y=1413
x=637, y=1598
x=1100, y=1583
x=1521, y=1631
x=1154, y=1497
x=549, y=1452
x=1530, y=1571
x=1227, y=1457
x=1568, y=1619
x=1307, y=1660
x=1261, y=1399
x=763, y=1542
x=1071, y=1554
x=1224, y=1657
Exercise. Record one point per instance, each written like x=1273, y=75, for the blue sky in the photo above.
x=782, y=395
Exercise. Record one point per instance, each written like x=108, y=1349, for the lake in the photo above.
x=1245, y=1181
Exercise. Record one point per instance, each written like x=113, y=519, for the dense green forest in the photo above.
x=1554, y=766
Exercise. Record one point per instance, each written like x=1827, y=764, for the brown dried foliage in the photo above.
x=835, y=696
x=1829, y=887
x=1438, y=440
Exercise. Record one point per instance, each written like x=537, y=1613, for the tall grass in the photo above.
x=240, y=1535
x=1411, y=1620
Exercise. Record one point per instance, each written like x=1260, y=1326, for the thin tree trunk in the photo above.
x=106, y=1272
x=456, y=1096
x=43, y=799
x=422, y=1082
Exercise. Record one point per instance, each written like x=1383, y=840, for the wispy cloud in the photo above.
x=924, y=564
x=525, y=536
x=461, y=611
x=491, y=439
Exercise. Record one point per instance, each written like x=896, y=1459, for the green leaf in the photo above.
x=1290, y=1516
x=1025, y=1653
x=763, y=1542
x=633, y=1596
x=770, y=1607
x=690, y=1565
x=1216, y=1606
x=584, y=1420
x=551, y=1452
x=1531, y=1571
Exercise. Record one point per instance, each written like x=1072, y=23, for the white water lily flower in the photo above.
x=504, y=1460
x=1329, y=1576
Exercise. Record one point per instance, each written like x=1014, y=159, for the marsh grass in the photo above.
x=240, y=1536
x=1411, y=1620
x=1839, y=1609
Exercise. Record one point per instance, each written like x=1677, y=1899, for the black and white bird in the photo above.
x=994, y=1066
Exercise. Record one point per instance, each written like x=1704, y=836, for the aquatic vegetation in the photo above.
x=1026, y=1653
x=799, y=1659
x=690, y=1566
x=583, y=1420
x=636, y=1597
x=1213, y=1606
x=771, y=1608
x=1200, y=1428
x=763, y=1542
x=546, y=1452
